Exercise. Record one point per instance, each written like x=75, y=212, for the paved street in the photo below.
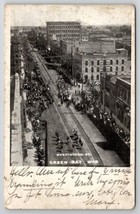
x=63, y=120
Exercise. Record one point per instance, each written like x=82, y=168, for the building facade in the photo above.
x=16, y=51
x=90, y=66
x=117, y=96
x=68, y=31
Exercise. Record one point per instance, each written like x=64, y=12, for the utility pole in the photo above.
x=92, y=83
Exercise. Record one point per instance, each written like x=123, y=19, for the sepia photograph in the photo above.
x=70, y=87
x=70, y=106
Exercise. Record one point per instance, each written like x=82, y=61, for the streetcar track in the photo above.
x=61, y=118
x=81, y=129
x=87, y=139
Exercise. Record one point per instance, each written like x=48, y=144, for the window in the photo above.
x=97, y=69
x=111, y=69
x=86, y=62
x=97, y=77
x=117, y=61
x=104, y=69
x=86, y=69
x=111, y=62
x=86, y=78
x=92, y=77
x=92, y=69
x=92, y=62
x=98, y=62
x=122, y=61
x=104, y=62
x=116, y=68
x=122, y=68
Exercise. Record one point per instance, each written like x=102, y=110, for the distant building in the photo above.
x=85, y=37
x=66, y=47
x=125, y=43
x=103, y=46
x=89, y=66
x=117, y=96
x=68, y=31
x=96, y=36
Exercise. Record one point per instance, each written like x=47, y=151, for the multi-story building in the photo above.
x=69, y=31
x=88, y=47
x=117, y=95
x=16, y=50
x=115, y=98
x=90, y=65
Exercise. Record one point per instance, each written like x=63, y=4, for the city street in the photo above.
x=63, y=119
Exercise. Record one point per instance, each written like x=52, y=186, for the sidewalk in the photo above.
x=16, y=129
x=118, y=122
x=109, y=158
x=86, y=88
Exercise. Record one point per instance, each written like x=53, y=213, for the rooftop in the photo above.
x=126, y=78
x=63, y=22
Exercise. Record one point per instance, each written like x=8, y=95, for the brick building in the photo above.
x=89, y=66
x=68, y=31
x=117, y=96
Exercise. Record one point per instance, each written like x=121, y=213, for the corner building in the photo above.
x=89, y=66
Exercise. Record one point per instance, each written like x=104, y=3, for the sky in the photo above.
x=38, y=15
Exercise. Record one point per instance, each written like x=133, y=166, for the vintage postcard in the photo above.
x=69, y=107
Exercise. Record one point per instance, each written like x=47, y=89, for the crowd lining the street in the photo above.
x=38, y=99
x=89, y=103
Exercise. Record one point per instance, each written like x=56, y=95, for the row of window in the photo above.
x=104, y=62
x=65, y=35
x=98, y=69
x=93, y=77
x=63, y=27
x=64, y=31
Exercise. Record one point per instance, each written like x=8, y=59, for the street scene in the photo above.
x=70, y=95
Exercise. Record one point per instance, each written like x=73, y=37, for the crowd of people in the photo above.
x=102, y=119
x=90, y=105
x=38, y=99
x=63, y=93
